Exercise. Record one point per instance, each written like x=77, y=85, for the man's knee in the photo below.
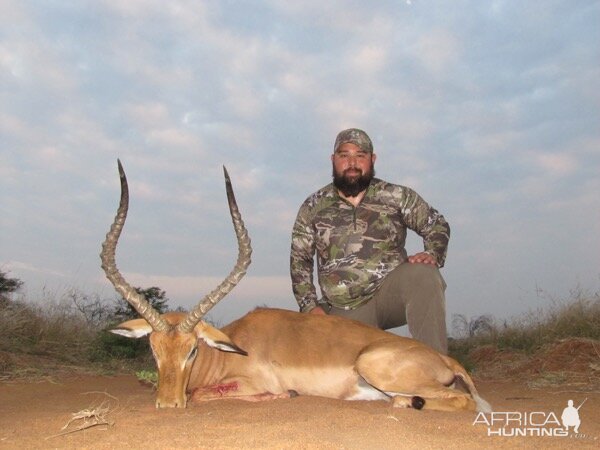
x=422, y=291
x=424, y=296
x=423, y=275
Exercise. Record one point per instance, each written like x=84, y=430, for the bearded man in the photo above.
x=357, y=228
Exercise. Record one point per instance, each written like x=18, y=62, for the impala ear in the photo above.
x=135, y=328
x=215, y=338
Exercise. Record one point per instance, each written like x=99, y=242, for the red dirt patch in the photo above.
x=575, y=361
x=32, y=415
x=34, y=409
x=573, y=355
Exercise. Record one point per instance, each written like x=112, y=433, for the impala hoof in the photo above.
x=417, y=402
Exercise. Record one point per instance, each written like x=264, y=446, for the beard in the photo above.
x=352, y=185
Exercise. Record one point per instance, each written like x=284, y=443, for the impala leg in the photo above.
x=234, y=390
x=415, y=376
x=198, y=397
x=438, y=398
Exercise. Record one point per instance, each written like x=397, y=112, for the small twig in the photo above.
x=103, y=393
x=91, y=417
x=595, y=349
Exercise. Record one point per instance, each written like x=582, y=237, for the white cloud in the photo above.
x=244, y=99
x=187, y=291
x=343, y=112
x=369, y=59
x=28, y=267
x=273, y=213
x=438, y=50
x=14, y=127
x=171, y=138
x=557, y=164
x=490, y=116
x=147, y=114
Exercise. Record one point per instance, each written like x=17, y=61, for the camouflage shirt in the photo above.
x=357, y=247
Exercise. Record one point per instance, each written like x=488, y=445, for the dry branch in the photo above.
x=91, y=417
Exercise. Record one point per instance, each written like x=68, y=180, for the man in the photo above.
x=357, y=227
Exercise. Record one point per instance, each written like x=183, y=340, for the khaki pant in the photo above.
x=411, y=294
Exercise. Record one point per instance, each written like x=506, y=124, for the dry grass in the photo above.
x=57, y=336
x=552, y=346
x=578, y=316
x=53, y=337
x=51, y=328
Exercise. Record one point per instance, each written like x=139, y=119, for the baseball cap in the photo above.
x=356, y=137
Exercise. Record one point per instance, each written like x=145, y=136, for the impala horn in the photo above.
x=137, y=301
x=238, y=271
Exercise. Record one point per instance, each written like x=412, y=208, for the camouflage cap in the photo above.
x=356, y=137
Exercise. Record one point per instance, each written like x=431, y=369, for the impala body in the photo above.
x=273, y=353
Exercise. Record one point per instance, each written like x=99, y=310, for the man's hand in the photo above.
x=422, y=258
x=317, y=310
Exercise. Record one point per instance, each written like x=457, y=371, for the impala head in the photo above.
x=174, y=337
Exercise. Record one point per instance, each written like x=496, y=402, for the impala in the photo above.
x=273, y=353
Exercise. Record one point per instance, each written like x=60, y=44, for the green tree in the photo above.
x=154, y=295
x=109, y=346
x=7, y=286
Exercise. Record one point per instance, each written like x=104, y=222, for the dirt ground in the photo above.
x=32, y=415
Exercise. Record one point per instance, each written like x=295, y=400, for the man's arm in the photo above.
x=428, y=223
x=302, y=261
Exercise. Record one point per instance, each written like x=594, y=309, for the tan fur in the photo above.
x=289, y=352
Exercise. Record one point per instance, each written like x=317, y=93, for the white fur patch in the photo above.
x=364, y=391
x=136, y=334
x=223, y=346
x=482, y=405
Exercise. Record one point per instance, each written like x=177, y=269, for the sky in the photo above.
x=488, y=109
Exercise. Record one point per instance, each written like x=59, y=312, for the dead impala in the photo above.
x=273, y=353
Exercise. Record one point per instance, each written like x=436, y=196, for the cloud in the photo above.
x=147, y=114
x=172, y=138
x=28, y=267
x=244, y=99
x=490, y=112
x=557, y=164
x=187, y=291
x=438, y=51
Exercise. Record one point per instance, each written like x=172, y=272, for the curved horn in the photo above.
x=109, y=246
x=243, y=261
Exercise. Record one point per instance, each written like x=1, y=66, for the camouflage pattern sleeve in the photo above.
x=428, y=223
x=302, y=260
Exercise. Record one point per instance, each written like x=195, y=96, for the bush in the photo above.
x=54, y=329
x=577, y=317
x=72, y=329
x=108, y=346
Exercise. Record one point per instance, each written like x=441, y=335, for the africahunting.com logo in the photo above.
x=537, y=423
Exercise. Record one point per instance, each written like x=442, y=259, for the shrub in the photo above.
x=577, y=317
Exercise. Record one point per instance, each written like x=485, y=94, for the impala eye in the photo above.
x=193, y=354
